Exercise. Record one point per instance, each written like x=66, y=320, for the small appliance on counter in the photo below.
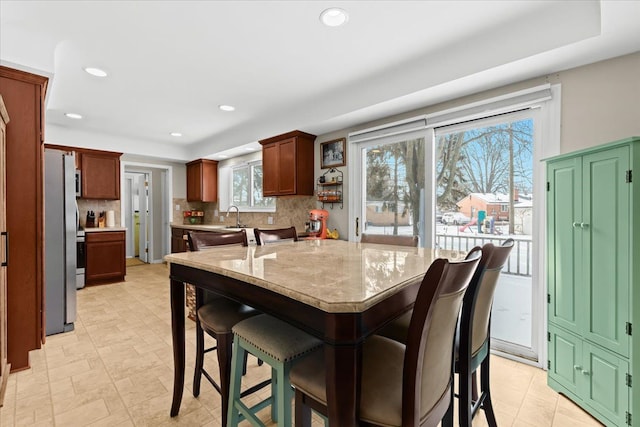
x=318, y=223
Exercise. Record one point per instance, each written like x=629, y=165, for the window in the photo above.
x=246, y=188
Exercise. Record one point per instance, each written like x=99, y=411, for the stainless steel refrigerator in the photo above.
x=61, y=228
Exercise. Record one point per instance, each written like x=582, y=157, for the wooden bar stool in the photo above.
x=278, y=344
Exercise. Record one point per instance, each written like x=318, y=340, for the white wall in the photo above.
x=179, y=174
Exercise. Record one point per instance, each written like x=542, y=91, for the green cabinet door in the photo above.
x=604, y=383
x=605, y=229
x=564, y=205
x=565, y=360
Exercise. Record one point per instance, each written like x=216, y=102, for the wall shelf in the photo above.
x=329, y=188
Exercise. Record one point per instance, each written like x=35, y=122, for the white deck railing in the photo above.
x=519, y=262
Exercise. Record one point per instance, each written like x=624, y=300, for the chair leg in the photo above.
x=225, y=351
x=447, y=420
x=233, y=390
x=485, y=390
x=244, y=364
x=283, y=396
x=303, y=412
x=465, y=412
x=275, y=397
x=197, y=374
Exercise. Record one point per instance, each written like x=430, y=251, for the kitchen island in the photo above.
x=340, y=292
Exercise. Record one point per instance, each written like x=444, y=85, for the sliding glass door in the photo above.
x=457, y=187
x=484, y=193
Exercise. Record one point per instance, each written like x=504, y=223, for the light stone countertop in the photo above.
x=332, y=275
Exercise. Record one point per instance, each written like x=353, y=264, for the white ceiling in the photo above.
x=172, y=63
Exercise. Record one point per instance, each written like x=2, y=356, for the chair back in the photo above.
x=428, y=364
x=388, y=239
x=476, y=307
x=265, y=236
x=199, y=240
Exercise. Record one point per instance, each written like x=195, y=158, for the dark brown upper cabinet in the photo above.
x=287, y=164
x=202, y=181
x=100, y=174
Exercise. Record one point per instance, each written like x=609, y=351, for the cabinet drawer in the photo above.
x=105, y=236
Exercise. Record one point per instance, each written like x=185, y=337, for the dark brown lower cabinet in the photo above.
x=178, y=244
x=105, y=257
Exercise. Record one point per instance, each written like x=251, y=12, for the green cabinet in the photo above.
x=593, y=220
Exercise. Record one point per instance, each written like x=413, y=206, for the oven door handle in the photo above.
x=5, y=234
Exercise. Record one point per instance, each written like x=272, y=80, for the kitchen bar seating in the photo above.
x=473, y=334
x=474, y=337
x=402, y=385
x=279, y=345
x=273, y=341
x=265, y=236
x=388, y=239
x=216, y=315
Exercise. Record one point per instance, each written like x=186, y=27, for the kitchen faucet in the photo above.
x=238, y=225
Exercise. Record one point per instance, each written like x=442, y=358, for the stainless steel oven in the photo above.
x=81, y=259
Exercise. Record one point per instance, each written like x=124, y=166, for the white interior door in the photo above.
x=143, y=211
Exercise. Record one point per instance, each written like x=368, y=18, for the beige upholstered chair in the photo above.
x=265, y=236
x=387, y=239
x=473, y=334
x=216, y=316
x=402, y=385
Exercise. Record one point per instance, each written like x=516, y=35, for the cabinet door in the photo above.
x=565, y=359
x=100, y=176
x=287, y=166
x=202, y=181
x=605, y=261
x=4, y=368
x=604, y=383
x=105, y=260
x=564, y=239
x=270, y=169
x=177, y=241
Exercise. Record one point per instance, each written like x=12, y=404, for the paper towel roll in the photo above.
x=111, y=219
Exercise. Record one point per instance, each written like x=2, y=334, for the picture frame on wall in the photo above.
x=333, y=153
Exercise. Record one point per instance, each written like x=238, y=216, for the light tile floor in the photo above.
x=116, y=369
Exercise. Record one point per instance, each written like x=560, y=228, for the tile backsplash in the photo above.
x=86, y=205
x=291, y=210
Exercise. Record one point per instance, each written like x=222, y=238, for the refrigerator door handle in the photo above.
x=5, y=234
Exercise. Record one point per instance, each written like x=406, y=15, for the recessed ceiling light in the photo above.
x=73, y=116
x=226, y=107
x=334, y=17
x=176, y=134
x=96, y=72
x=222, y=156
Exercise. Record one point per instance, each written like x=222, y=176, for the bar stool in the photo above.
x=278, y=344
x=216, y=315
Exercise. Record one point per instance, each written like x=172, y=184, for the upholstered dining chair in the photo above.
x=402, y=385
x=388, y=239
x=265, y=236
x=216, y=316
x=473, y=334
